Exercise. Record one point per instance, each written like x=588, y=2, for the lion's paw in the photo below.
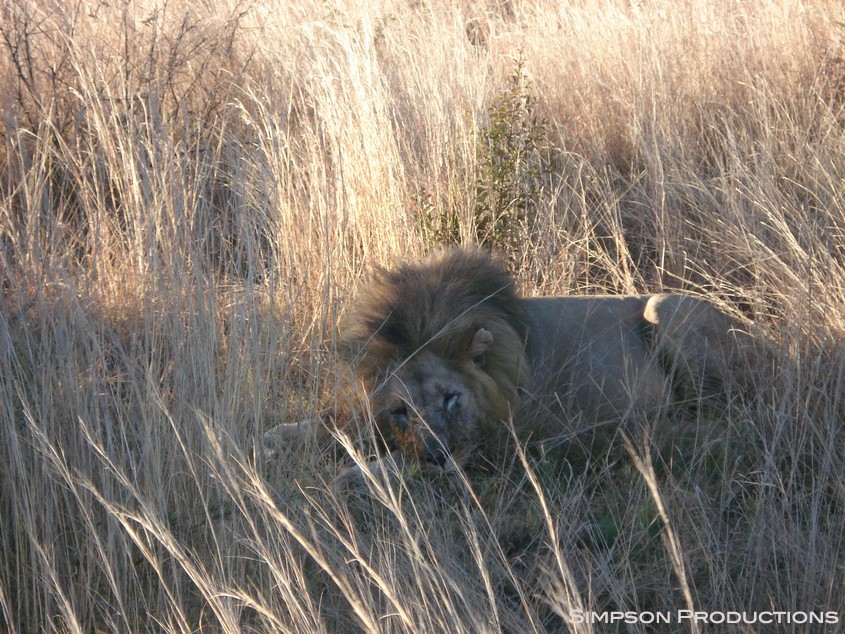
x=362, y=479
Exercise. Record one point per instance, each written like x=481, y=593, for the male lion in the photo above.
x=445, y=349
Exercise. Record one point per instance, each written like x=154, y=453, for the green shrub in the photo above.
x=512, y=159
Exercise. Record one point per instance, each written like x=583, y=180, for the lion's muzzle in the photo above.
x=430, y=427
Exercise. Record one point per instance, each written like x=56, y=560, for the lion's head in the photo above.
x=439, y=348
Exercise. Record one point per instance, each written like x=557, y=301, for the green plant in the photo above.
x=512, y=157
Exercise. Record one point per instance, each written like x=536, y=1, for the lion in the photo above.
x=446, y=351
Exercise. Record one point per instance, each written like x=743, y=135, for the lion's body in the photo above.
x=446, y=351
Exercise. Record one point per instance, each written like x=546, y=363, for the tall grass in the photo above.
x=189, y=195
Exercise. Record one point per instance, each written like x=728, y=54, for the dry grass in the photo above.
x=189, y=195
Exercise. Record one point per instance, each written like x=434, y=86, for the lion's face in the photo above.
x=431, y=408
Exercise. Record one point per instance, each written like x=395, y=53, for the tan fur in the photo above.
x=445, y=349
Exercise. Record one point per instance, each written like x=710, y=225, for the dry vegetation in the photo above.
x=188, y=196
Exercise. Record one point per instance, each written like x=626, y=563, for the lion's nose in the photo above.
x=435, y=453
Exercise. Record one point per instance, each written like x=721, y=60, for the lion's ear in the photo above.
x=481, y=340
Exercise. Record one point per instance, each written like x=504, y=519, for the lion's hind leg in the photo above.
x=707, y=353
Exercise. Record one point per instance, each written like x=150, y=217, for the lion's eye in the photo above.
x=451, y=400
x=400, y=416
